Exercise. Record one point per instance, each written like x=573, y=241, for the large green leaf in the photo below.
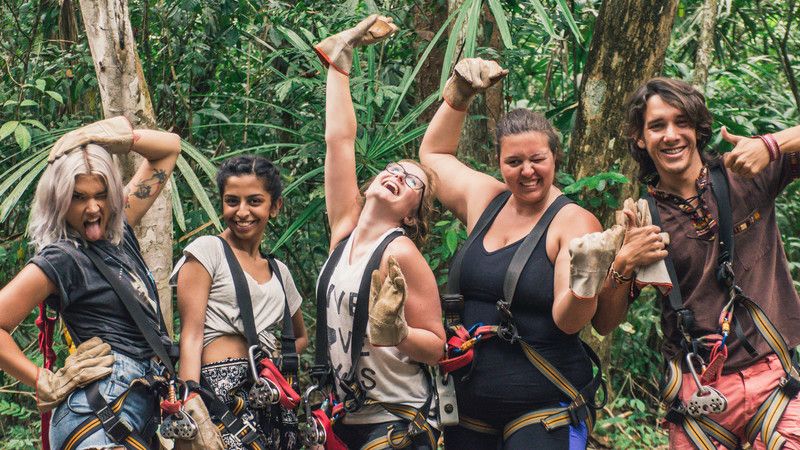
x=197, y=189
x=312, y=210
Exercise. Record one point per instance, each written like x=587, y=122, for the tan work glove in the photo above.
x=654, y=274
x=590, y=257
x=337, y=50
x=387, y=322
x=114, y=134
x=471, y=76
x=91, y=361
x=208, y=435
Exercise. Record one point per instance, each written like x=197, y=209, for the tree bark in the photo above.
x=628, y=47
x=705, y=45
x=429, y=15
x=123, y=91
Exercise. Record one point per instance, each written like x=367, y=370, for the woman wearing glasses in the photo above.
x=404, y=327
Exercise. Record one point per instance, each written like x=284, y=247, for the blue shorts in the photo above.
x=75, y=409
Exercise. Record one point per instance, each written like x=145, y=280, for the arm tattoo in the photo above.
x=144, y=188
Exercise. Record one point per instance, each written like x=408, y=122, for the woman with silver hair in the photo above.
x=81, y=208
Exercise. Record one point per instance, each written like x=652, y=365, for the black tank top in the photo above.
x=502, y=378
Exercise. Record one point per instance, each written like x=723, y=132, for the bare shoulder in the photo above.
x=405, y=251
x=574, y=221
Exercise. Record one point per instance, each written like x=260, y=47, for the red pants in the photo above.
x=745, y=391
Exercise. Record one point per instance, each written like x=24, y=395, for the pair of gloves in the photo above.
x=114, y=134
x=470, y=76
x=592, y=254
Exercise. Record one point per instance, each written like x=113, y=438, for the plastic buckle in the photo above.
x=725, y=273
x=790, y=386
x=577, y=410
x=508, y=332
x=289, y=363
x=320, y=373
x=115, y=427
x=505, y=310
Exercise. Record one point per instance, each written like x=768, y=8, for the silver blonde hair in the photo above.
x=54, y=194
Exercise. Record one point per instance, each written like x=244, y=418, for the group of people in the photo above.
x=535, y=270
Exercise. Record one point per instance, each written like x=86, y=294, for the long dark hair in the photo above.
x=678, y=94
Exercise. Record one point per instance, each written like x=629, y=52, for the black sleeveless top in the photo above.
x=502, y=378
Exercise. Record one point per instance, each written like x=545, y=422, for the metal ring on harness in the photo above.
x=314, y=433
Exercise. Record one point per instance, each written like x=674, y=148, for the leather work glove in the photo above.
x=471, y=76
x=114, y=134
x=654, y=274
x=590, y=257
x=91, y=361
x=208, y=435
x=387, y=322
x=337, y=50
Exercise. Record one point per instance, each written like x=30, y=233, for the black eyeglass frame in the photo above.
x=406, y=177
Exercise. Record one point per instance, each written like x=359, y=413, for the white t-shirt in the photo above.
x=388, y=375
x=222, y=312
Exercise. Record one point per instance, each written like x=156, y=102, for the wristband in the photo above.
x=617, y=278
x=773, y=148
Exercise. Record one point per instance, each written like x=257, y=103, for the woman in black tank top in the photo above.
x=502, y=384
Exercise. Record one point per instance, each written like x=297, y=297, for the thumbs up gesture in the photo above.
x=748, y=157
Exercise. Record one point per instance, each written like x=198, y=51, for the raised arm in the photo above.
x=160, y=151
x=462, y=190
x=341, y=185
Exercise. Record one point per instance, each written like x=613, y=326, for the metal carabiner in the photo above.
x=252, y=360
x=314, y=432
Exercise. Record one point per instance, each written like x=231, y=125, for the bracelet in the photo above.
x=773, y=148
x=617, y=278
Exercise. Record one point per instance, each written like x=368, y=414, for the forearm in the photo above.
x=789, y=139
x=422, y=345
x=571, y=313
x=443, y=132
x=155, y=145
x=613, y=298
x=14, y=362
x=191, y=357
x=340, y=116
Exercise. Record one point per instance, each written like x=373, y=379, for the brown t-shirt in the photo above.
x=759, y=264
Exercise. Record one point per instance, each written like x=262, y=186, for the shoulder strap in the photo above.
x=362, y=302
x=675, y=298
x=525, y=250
x=321, y=368
x=488, y=214
x=242, y=294
x=130, y=299
x=289, y=357
x=719, y=185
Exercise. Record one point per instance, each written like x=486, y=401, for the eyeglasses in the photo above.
x=411, y=180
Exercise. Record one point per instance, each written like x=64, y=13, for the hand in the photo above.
x=590, y=257
x=387, y=322
x=91, y=361
x=748, y=157
x=337, y=50
x=208, y=435
x=642, y=246
x=114, y=134
x=471, y=76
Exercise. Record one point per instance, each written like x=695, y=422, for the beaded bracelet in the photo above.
x=773, y=148
x=617, y=278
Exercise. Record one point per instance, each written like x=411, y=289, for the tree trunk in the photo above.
x=124, y=92
x=429, y=15
x=628, y=47
x=705, y=46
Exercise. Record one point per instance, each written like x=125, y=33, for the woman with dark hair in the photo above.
x=383, y=383
x=534, y=375
x=82, y=211
x=214, y=342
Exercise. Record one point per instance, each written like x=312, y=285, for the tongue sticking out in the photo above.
x=93, y=231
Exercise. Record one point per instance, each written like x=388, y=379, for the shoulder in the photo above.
x=405, y=251
x=574, y=221
x=204, y=244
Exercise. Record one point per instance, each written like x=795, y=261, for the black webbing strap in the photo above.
x=719, y=186
x=321, y=371
x=488, y=215
x=289, y=358
x=130, y=298
x=525, y=250
x=224, y=414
